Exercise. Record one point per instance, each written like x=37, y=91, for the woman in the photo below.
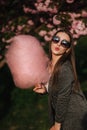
x=67, y=104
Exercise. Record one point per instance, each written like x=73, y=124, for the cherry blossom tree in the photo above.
x=41, y=18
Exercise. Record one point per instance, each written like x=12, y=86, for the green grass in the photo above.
x=28, y=111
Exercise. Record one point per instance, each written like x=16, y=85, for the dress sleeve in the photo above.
x=64, y=87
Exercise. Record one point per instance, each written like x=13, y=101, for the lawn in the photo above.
x=27, y=110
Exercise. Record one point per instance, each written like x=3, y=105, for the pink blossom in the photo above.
x=3, y=29
x=39, y=6
x=36, y=4
x=17, y=33
x=74, y=15
x=84, y=13
x=38, y=1
x=42, y=33
x=0, y=57
x=51, y=33
x=43, y=43
x=50, y=9
x=85, y=31
x=55, y=21
x=78, y=28
x=41, y=20
x=12, y=28
x=7, y=46
x=43, y=8
x=33, y=11
x=75, y=36
x=30, y=22
x=54, y=31
x=49, y=25
x=7, y=27
x=70, y=1
x=47, y=2
x=77, y=24
x=3, y=40
x=47, y=38
x=71, y=30
x=19, y=27
x=55, y=9
x=26, y=9
x=10, y=22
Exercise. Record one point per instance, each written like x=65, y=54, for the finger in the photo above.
x=37, y=87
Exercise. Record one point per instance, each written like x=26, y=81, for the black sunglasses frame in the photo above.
x=64, y=43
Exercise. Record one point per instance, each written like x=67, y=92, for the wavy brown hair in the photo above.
x=70, y=56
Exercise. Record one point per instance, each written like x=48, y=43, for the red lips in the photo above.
x=56, y=48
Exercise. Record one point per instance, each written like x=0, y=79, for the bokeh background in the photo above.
x=22, y=109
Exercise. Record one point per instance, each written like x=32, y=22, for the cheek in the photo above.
x=52, y=47
x=63, y=50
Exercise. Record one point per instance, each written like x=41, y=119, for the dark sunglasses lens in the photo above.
x=55, y=39
x=65, y=44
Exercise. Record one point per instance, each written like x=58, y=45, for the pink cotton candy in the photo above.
x=27, y=61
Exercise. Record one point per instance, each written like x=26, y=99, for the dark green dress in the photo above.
x=66, y=106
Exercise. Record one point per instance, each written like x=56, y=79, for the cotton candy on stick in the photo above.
x=27, y=61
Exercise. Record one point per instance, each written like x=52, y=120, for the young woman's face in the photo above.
x=60, y=43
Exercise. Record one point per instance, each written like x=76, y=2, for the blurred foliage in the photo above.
x=34, y=16
x=21, y=109
x=81, y=61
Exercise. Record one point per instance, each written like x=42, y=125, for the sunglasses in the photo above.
x=64, y=43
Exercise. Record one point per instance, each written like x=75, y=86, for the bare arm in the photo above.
x=57, y=126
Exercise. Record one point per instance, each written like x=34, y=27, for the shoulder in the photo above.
x=66, y=66
x=66, y=70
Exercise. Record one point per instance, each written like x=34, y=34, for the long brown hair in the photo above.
x=66, y=56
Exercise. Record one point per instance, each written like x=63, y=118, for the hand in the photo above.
x=52, y=128
x=40, y=88
x=56, y=126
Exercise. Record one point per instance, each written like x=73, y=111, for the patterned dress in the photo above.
x=66, y=106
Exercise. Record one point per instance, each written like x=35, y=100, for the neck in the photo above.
x=55, y=58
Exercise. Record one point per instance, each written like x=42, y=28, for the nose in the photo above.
x=59, y=43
